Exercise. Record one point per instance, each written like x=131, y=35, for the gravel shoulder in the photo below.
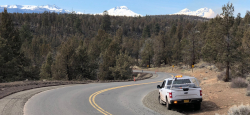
x=151, y=101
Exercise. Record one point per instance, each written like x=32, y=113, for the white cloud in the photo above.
x=209, y=14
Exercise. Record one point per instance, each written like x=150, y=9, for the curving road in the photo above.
x=118, y=98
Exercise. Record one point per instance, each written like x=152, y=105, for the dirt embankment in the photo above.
x=13, y=87
x=218, y=96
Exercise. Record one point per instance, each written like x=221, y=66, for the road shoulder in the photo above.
x=151, y=102
x=14, y=104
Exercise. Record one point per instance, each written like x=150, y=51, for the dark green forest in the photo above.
x=71, y=46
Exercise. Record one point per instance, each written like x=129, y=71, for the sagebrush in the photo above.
x=239, y=83
x=239, y=110
x=248, y=91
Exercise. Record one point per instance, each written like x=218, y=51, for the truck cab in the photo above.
x=180, y=90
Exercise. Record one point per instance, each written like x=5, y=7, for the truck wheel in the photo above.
x=169, y=106
x=159, y=99
x=197, y=106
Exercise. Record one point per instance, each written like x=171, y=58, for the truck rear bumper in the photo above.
x=184, y=101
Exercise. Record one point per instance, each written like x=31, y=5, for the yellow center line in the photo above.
x=92, y=97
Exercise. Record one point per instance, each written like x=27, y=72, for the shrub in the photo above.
x=240, y=110
x=248, y=91
x=239, y=83
x=248, y=80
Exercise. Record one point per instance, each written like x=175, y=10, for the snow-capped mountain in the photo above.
x=203, y=12
x=121, y=11
x=34, y=9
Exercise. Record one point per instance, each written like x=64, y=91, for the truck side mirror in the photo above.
x=158, y=86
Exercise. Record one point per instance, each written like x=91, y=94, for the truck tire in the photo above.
x=197, y=106
x=160, y=101
x=169, y=106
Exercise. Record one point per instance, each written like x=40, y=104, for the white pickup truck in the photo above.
x=180, y=90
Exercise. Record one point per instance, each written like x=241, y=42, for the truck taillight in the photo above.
x=200, y=92
x=170, y=95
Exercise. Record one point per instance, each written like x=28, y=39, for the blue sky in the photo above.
x=149, y=7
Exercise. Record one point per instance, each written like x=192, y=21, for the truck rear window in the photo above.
x=179, y=81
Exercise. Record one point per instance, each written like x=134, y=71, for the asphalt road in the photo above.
x=118, y=98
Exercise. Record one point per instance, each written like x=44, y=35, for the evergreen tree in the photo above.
x=146, y=32
x=3, y=54
x=173, y=30
x=80, y=64
x=13, y=61
x=222, y=41
x=63, y=66
x=26, y=38
x=177, y=44
x=157, y=29
x=46, y=72
x=107, y=60
x=123, y=67
x=106, y=21
x=226, y=39
x=209, y=50
x=77, y=25
x=247, y=17
x=147, y=53
x=158, y=51
x=191, y=47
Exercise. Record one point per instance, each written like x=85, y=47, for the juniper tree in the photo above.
x=221, y=43
x=63, y=66
x=123, y=67
x=107, y=60
x=80, y=64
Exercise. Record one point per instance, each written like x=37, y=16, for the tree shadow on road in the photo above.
x=189, y=108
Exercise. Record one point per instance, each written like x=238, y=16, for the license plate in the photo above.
x=186, y=101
